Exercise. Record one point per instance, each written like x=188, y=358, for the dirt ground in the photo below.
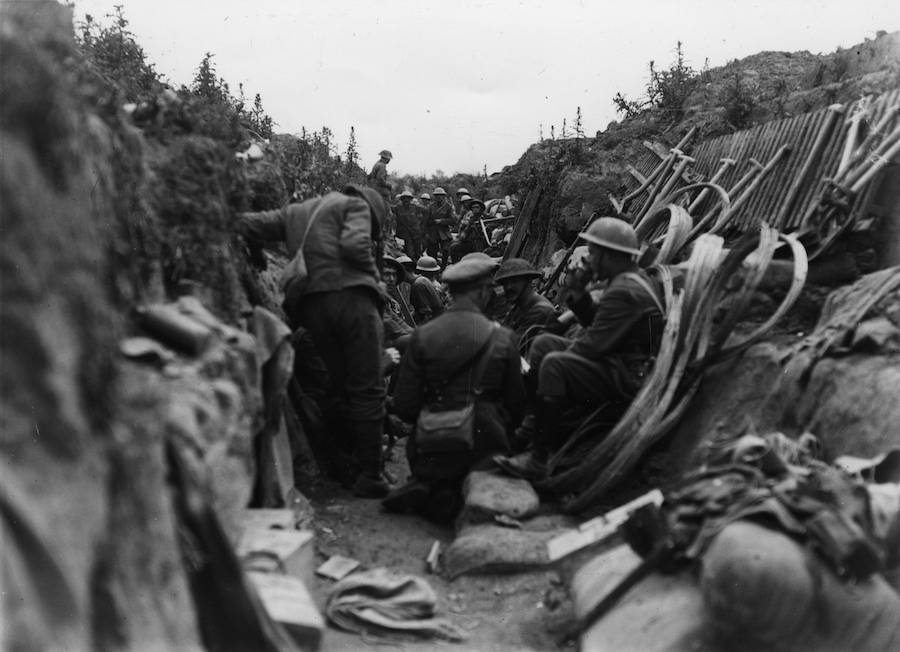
x=526, y=611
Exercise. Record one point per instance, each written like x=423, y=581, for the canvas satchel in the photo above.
x=295, y=276
x=453, y=430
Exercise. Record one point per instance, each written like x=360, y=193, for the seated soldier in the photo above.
x=607, y=362
x=527, y=307
x=424, y=295
x=436, y=372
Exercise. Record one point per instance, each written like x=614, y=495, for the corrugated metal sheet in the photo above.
x=761, y=143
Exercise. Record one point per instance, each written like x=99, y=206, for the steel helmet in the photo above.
x=438, y=191
x=406, y=193
x=515, y=268
x=427, y=264
x=393, y=262
x=385, y=154
x=612, y=233
x=477, y=202
x=465, y=198
x=462, y=191
x=403, y=259
x=425, y=196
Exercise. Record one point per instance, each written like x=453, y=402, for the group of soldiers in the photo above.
x=398, y=336
x=434, y=224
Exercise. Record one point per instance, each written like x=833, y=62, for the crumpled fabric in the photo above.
x=388, y=605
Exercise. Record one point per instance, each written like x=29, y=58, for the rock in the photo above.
x=495, y=549
x=488, y=494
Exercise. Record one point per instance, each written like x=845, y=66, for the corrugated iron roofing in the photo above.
x=761, y=143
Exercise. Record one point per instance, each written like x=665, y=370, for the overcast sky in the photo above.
x=457, y=85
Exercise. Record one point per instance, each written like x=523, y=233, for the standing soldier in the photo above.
x=378, y=179
x=409, y=226
x=437, y=226
x=339, y=304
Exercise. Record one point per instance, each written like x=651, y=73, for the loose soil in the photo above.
x=526, y=611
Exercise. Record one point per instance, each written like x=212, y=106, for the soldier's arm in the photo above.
x=614, y=315
x=513, y=385
x=356, y=235
x=409, y=394
x=267, y=226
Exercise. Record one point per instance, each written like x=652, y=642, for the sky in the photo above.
x=461, y=85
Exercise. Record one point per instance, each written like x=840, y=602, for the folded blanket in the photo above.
x=385, y=604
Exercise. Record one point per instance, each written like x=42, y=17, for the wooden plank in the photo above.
x=598, y=529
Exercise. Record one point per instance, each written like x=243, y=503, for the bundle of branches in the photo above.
x=697, y=333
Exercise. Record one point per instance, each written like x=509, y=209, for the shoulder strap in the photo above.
x=481, y=357
x=298, y=262
x=484, y=359
x=640, y=280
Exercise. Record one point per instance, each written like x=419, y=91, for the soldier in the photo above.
x=378, y=178
x=409, y=226
x=460, y=193
x=424, y=297
x=527, y=307
x=470, y=237
x=608, y=361
x=430, y=375
x=339, y=304
x=438, y=223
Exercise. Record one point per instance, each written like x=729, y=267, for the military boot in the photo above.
x=532, y=465
x=367, y=437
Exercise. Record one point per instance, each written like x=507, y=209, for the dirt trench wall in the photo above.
x=846, y=395
x=96, y=218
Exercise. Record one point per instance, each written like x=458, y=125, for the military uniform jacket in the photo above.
x=439, y=347
x=377, y=179
x=440, y=219
x=409, y=226
x=536, y=310
x=425, y=300
x=627, y=322
x=339, y=250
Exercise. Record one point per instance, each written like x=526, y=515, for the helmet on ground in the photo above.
x=462, y=191
x=465, y=198
x=515, y=268
x=406, y=193
x=471, y=267
x=385, y=153
x=612, y=233
x=427, y=264
x=438, y=191
x=425, y=196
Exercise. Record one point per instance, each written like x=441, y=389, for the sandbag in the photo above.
x=487, y=494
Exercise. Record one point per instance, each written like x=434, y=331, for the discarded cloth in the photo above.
x=388, y=605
